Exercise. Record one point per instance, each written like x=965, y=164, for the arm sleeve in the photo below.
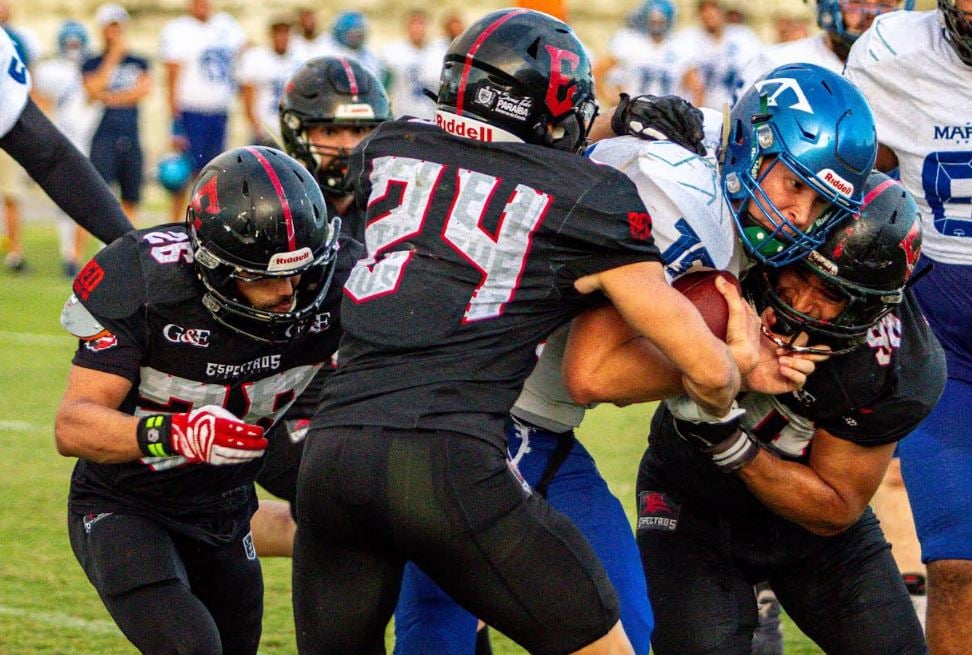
x=66, y=175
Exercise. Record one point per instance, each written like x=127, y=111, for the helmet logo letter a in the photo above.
x=207, y=191
x=801, y=104
x=558, y=81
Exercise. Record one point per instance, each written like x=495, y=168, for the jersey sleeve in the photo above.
x=611, y=217
x=106, y=313
x=170, y=45
x=14, y=84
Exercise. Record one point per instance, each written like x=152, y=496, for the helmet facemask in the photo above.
x=958, y=27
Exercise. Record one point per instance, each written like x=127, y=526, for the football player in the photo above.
x=200, y=51
x=841, y=22
x=194, y=340
x=780, y=492
x=329, y=105
x=485, y=234
x=413, y=63
x=693, y=226
x=50, y=158
x=916, y=70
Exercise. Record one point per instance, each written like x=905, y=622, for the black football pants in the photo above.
x=371, y=498
x=169, y=594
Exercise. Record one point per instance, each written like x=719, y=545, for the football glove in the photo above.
x=209, y=434
x=721, y=438
x=665, y=118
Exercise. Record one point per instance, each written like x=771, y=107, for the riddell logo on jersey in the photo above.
x=459, y=127
x=836, y=182
x=191, y=336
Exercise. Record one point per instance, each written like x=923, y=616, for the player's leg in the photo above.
x=10, y=188
x=229, y=582
x=274, y=525
x=936, y=462
x=849, y=596
x=346, y=573
x=133, y=564
x=576, y=489
x=427, y=620
x=501, y=552
x=130, y=177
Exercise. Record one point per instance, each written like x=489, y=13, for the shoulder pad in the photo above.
x=111, y=284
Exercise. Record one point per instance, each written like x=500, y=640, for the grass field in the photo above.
x=47, y=606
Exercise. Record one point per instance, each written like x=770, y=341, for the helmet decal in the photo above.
x=786, y=83
x=470, y=56
x=560, y=90
x=911, y=244
x=284, y=204
x=207, y=191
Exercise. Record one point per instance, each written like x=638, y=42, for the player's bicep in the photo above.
x=87, y=385
x=853, y=471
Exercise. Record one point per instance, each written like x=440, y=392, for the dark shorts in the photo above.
x=371, y=498
x=168, y=593
x=844, y=592
x=207, y=136
x=118, y=158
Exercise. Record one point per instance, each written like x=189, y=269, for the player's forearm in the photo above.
x=97, y=433
x=795, y=492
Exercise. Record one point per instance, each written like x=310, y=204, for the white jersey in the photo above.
x=412, y=70
x=207, y=53
x=267, y=72
x=719, y=62
x=921, y=96
x=60, y=80
x=811, y=50
x=692, y=228
x=363, y=56
x=645, y=66
x=14, y=84
x=320, y=46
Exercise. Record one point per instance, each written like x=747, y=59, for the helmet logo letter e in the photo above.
x=908, y=245
x=207, y=191
x=560, y=83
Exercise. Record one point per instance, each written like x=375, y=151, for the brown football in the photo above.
x=700, y=288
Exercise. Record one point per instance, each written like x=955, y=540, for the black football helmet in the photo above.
x=866, y=261
x=519, y=70
x=329, y=90
x=958, y=27
x=254, y=212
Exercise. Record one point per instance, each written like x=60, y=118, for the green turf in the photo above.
x=46, y=604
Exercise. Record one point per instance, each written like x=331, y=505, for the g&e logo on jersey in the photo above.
x=191, y=336
x=321, y=323
x=657, y=511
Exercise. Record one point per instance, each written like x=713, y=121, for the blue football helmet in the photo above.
x=173, y=171
x=641, y=18
x=818, y=125
x=72, y=39
x=830, y=16
x=349, y=29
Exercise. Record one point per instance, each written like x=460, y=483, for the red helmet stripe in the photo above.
x=352, y=80
x=467, y=67
x=876, y=191
x=278, y=187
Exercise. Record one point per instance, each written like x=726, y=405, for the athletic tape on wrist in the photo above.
x=739, y=452
x=154, y=435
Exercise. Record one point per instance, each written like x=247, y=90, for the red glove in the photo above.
x=209, y=434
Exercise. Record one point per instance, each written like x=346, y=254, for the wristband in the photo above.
x=734, y=453
x=154, y=435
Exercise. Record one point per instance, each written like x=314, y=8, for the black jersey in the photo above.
x=473, y=250
x=144, y=291
x=871, y=396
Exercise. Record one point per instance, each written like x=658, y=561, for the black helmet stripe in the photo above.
x=278, y=187
x=470, y=56
x=352, y=80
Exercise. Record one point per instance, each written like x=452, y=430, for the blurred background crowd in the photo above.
x=122, y=80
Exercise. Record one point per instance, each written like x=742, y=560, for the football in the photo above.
x=700, y=288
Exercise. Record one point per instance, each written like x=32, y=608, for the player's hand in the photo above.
x=742, y=331
x=213, y=435
x=665, y=118
x=721, y=438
